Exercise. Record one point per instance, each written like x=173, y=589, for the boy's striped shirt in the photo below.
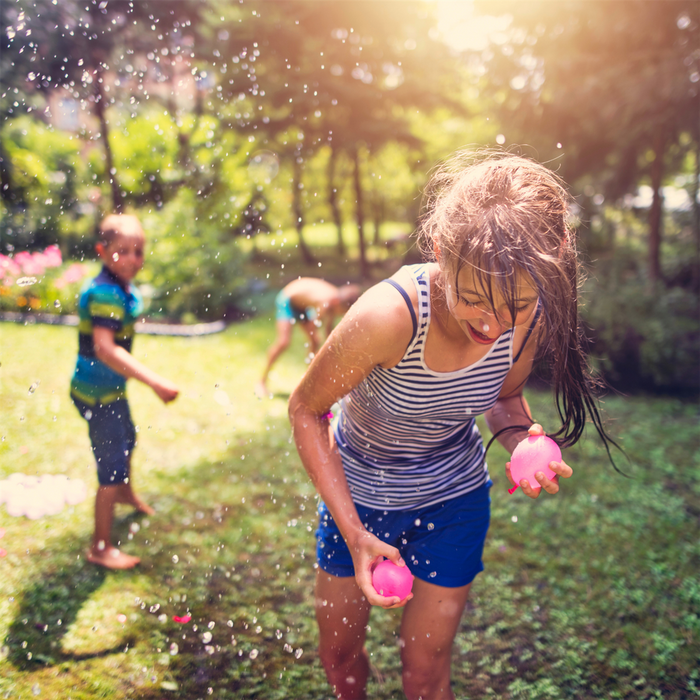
x=108, y=303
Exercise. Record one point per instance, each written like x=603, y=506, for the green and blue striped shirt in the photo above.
x=105, y=302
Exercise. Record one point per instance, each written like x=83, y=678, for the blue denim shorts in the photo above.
x=441, y=544
x=113, y=438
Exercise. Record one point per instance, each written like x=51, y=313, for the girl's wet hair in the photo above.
x=505, y=216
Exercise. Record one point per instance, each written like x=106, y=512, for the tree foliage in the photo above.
x=614, y=85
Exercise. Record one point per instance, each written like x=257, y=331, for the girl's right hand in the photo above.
x=367, y=551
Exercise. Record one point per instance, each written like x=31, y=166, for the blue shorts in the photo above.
x=284, y=311
x=113, y=438
x=441, y=544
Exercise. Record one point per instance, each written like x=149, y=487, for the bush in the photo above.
x=643, y=336
x=193, y=266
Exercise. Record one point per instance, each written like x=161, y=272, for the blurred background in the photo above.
x=259, y=141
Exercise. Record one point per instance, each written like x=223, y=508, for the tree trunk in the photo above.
x=378, y=218
x=656, y=211
x=696, y=206
x=117, y=201
x=297, y=209
x=359, y=214
x=333, y=201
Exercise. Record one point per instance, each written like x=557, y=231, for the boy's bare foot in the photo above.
x=261, y=391
x=129, y=498
x=111, y=558
x=142, y=507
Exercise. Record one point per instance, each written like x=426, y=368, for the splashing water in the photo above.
x=26, y=281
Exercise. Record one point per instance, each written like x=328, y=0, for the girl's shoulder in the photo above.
x=381, y=319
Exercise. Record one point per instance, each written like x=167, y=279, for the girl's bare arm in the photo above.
x=376, y=331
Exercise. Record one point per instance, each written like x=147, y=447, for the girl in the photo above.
x=401, y=473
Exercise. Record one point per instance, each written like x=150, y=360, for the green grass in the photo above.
x=592, y=594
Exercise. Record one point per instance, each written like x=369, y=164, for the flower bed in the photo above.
x=41, y=281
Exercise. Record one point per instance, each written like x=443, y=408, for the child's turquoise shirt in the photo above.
x=105, y=302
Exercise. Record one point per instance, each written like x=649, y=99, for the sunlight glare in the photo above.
x=463, y=29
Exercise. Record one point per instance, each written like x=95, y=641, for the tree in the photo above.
x=616, y=84
x=344, y=73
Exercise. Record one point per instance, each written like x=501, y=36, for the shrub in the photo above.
x=193, y=264
x=643, y=336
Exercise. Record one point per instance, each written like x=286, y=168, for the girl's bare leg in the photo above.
x=342, y=613
x=428, y=629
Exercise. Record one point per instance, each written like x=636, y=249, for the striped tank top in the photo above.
x=407, y=435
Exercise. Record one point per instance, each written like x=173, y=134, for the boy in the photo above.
x=108, y=309
x=311, y=302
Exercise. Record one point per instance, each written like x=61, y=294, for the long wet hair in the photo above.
x=504, y=215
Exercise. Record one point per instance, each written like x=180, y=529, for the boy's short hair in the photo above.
x=115, y=225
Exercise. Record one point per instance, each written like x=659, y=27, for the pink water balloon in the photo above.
x=532, y=455
x=390, y=580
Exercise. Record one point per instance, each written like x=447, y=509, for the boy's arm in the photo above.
x=124, y=363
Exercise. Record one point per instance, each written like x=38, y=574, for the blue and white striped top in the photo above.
x=407, y=435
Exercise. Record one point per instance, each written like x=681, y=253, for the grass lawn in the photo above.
x=592, y=594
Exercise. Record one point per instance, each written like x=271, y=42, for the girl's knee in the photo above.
x=334, y=656
x=426, y=677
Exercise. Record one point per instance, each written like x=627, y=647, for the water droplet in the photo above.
x=154, y=608
x=417, y=522
x=26, y=281
x=174, y=649
x=431, y=526
x=432, y=574
x=33, y=387
x=278, y=634
x=254, y=654
x=206, y=637
x=57, y=304
x=176, y=559
x=515, y=518
x=115, y=257
x=211, y=625
x=298, y=653
x=162, y=617
x=36, y=690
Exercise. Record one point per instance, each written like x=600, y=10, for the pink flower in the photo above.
x=32, y=265
x=182, y=620
x=52, y=256
x=8, y=267
x=74, y=273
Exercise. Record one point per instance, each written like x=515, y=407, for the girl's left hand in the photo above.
x=562, y=469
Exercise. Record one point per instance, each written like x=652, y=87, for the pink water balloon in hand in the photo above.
x=532, y=455
x=390, y=580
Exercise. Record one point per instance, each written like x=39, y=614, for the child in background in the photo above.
x=312, y=303
x=401, y=471
x=109, y=307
